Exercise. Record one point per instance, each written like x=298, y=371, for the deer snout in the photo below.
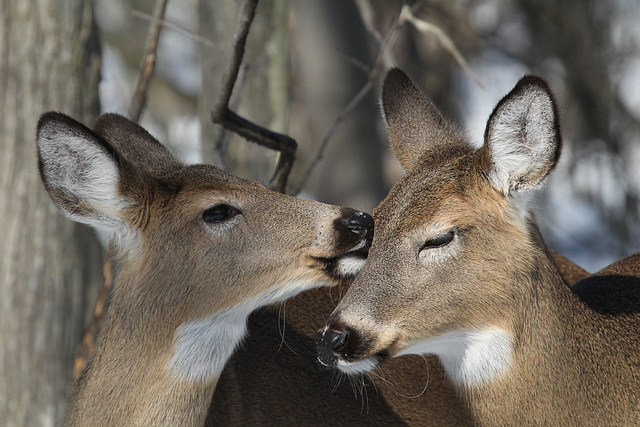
x=349, y=348
x=354, y=234
x=337, y=342
x=361, y=224
x=329, y=344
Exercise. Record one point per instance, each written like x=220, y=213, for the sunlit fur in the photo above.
x=185, y=285
x=519, y=346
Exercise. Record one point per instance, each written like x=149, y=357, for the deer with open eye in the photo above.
x=197, y=251
x=458, y=269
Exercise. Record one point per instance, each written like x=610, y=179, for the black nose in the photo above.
x=361, y=224
x=328, y=343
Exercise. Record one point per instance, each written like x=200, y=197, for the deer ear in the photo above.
x=414, y=124
x=135, y=145
x=522, y=139
x=80, y=171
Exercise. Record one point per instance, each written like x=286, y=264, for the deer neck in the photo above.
x=549, y=326
x=131, y=379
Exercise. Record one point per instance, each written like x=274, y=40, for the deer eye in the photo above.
x=219, y=213
x=439, y=240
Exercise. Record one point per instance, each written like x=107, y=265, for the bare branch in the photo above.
x=373, y=73
x=355, y=62
x=384, y=59
x=222, y=115
x=148, y=62
x=336, y=123
x=368, y=19
x=245, y=18
x=175, y=27
x=406, y=15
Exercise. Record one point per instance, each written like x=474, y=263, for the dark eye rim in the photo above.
x=440, y=240
x=219, y=213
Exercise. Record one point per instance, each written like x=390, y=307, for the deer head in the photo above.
x=453, y=238
x=197, y=248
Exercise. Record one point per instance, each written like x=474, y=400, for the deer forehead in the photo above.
x=429, y=195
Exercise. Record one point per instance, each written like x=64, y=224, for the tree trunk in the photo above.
x=49, y=267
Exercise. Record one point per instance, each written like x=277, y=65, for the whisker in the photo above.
x=377, y=374
x=336, y=379
x=365, y=395
x=282, y=327
x=426, y=364
x=373, y=383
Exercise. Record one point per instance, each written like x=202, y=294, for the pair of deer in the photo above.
x=457, y=269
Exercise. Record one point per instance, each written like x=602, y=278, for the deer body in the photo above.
x=291, y=387
x=459, y=270
x=197, y=249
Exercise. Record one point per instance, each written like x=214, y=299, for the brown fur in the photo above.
x=176, y=269
x=573, y=357
x=277, y=377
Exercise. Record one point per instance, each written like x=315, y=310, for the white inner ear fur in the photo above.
x=522, y=139
x=77, y=166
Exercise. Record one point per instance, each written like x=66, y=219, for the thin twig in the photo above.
x=368, y=19
x=148, y=62
x=406, y=15
x=388, y=41
x=175, y=27
x=245, y=18
x=355, y=62
x=90, y=339
x=222, y=115
x=222, y=144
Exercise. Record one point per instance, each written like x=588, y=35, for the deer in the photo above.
x=458, y=269
x=275, y=377
x=197, y=251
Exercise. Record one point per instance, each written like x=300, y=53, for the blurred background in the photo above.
x=312, y=70
x=307, y=60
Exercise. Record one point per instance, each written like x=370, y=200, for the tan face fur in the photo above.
x=198, y=249
x=449, y=237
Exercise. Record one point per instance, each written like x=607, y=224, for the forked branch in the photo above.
x=222, y=114
x=406, y=15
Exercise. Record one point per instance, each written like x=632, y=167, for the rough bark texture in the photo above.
x=49, y=267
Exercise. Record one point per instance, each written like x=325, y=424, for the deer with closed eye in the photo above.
x=197, y=251
x=458, y=269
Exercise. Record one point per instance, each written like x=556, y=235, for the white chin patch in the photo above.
x=349, y=266
x=203, y=346
x=359, y=367
x=469, y=357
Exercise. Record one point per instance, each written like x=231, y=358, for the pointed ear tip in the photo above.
x=112, y=116
x=52, y=117
x=110, y=119
x=395, y=76
x=396, y=85
x=531, y=81
x=396, y=72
